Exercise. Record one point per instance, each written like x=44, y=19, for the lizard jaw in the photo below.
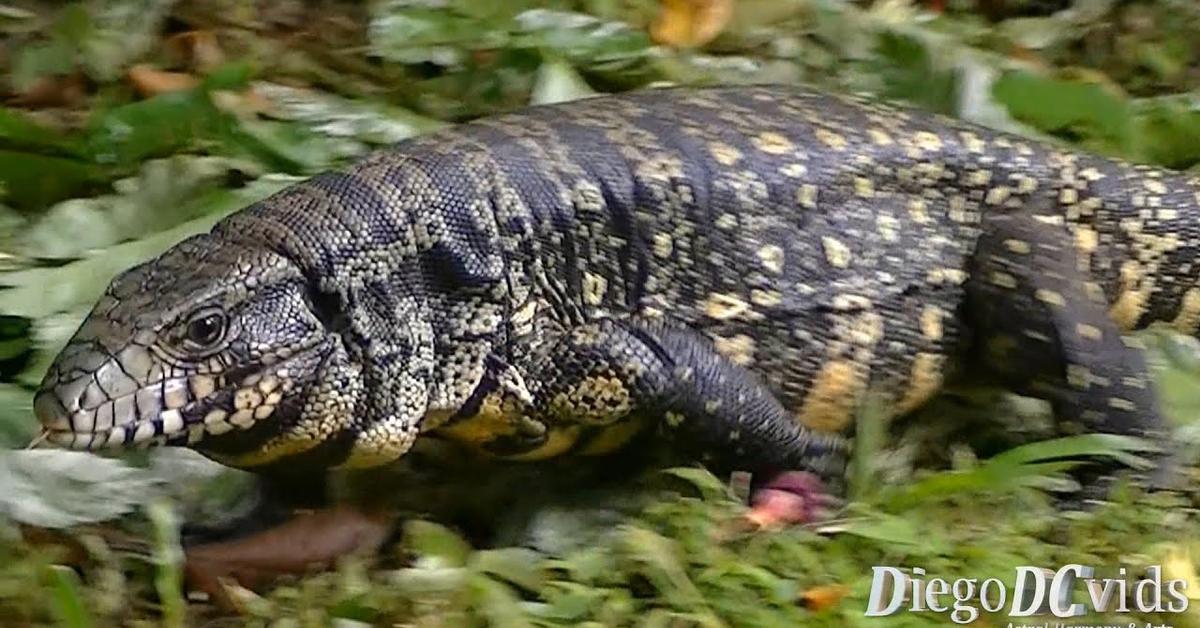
x=107, y=409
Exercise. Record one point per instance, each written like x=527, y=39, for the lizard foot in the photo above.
x=789, y=498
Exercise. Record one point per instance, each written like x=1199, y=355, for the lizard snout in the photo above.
x=91, y=399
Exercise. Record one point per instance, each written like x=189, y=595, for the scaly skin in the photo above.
x=742, y=263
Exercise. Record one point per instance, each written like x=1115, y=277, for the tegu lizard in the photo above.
x=736, y=268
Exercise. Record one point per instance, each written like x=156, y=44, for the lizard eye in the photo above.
x=206, y=328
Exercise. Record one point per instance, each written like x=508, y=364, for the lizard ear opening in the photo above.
x=330, y=310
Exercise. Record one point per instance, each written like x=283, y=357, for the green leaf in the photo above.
x=437, y=542
x=558, y=82
x=407, y=32
x=31, y=180
x=38, y=293
x=710, y=486
x=909, y=73
x=17, y=426
x=1082, y=112
x=1168, y=131
x=520, y=566
x=34, y=62
x=67, y=604
x=118, y=32
x=497, y=603
x=893, y=531
x=156, y=126
x=323, y=130
x=168, y=563
x=1027, y=465
x=53, y=488
x=165, y=193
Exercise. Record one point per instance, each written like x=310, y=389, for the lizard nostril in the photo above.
x=50, y=411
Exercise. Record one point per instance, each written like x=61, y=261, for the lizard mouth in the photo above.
x=107, y=408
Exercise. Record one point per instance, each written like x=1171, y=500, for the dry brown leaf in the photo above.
x=690, y=23
x=313, y=540
x=824, y=597
x=150, y=81
x=198, y=49
x=64, y=90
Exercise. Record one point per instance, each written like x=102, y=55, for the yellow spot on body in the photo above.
x=1049, y=296
x=1018, y=246
x=1129, y=306
x=879, y=136
x=832, y=396
x=493, y=420
x=836, y=253
x=1167, y=214
x=1068, y=196
x=1079, y=376
x=806, y=196
x=1004, y=280
x=979, y=178
x=831, y=139
x=1086, y=239
x=918, y=210
x=794, y=170
x=765, y=298
x=1155, y=186
x=594, y=288
x=972, y=142
x=927, y=141
x=771, y=257
x=663, y=245
x=773, y=143
x=1121, y=404
x=721, y=307
x=939, y=276
x=612, y=438
x=725, y=154
x=888, y=227
x=739, y=349
x=925, y=380
x=864, y=187
x=998, y=195
x=1187, y=319
x=1091, y=332
x=931, y=322
x=1026, y=184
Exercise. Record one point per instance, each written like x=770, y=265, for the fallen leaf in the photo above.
x=824, y=597
x=690, y=23
x=150, y=81
x=197, y=49
x=60, y=90
x=316, y=539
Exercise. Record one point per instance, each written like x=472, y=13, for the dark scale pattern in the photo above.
x=739, y=267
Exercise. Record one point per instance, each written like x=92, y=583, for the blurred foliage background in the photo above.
x=128, y=124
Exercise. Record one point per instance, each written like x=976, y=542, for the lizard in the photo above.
x=735, y=269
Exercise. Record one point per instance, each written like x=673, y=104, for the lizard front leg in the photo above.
x=601, y=380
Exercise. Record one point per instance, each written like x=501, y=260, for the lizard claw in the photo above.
x=790, y=498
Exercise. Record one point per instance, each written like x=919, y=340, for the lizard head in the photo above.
x=215, y=346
